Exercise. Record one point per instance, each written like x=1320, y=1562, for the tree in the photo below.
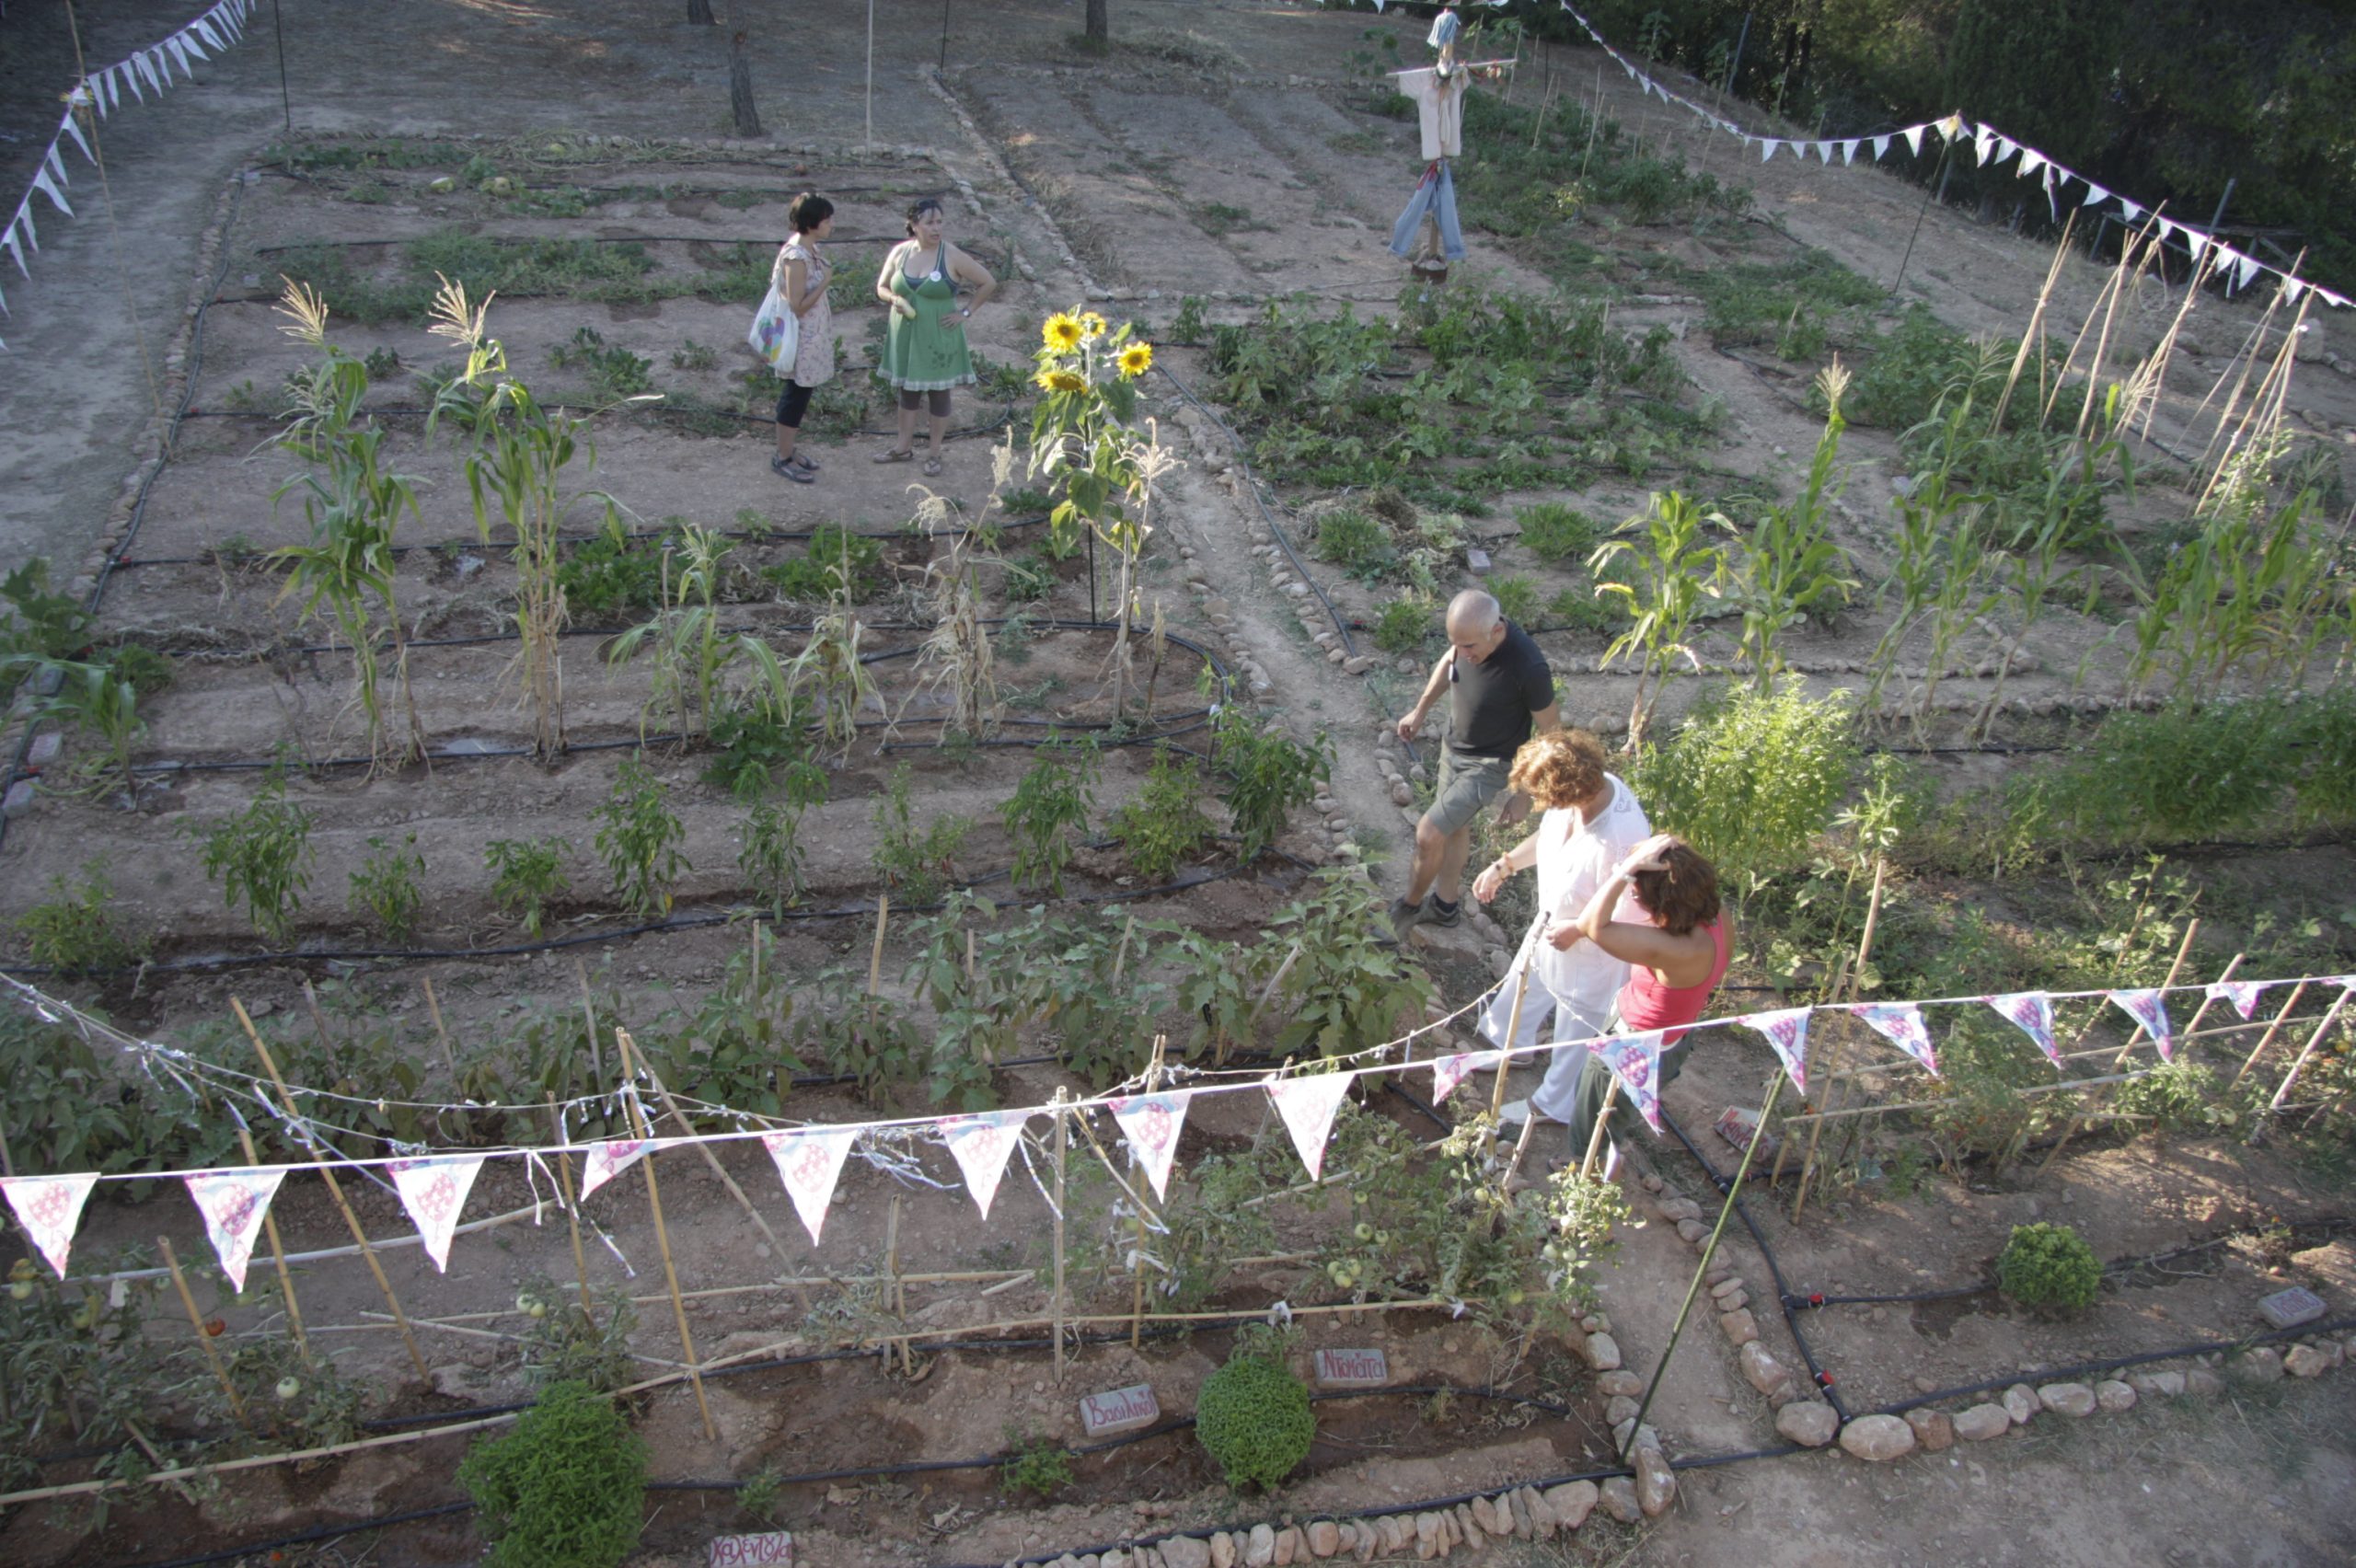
x=740, y=88
x=1099, y=25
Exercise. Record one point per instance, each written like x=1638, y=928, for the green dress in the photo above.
x=922, y=355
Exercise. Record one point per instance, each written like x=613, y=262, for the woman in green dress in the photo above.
x=924, y=352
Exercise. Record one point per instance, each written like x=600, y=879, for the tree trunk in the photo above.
x=700, y=14
x=740, y=88
x=1099, y=24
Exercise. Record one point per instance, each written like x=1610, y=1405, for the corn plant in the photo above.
x=829, y=677
x=2028, y=577
x=638, y=837
x=956, y=656
x=1049, y=810
x=1790, y=569
x=522, y=450
x=1669, y=570
x=261, y=858
x=1930, y=515
x=692, y=654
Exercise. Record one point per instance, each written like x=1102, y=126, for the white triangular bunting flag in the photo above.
x=1767, y=149
x=1307, y=1104
x=1449, y=1071
x=2246, y=267
x=2150, y=1010
x=2291, y=289
x=48, y=187
x=233, y=1204
x=2096, y=194
x=2031, y=160
x=2196, y=243
x=25, y=222
x=1913, y=134
x=981, y=1144
x=70, y=128
x=202, y=28
x=1786, y=1031
x=433, y=1191
x=56, y=164
x=1634, y=1060
x=192, y=42
x=1902, y=1024
x=2006, y=150
x=16, y=248
x=2338, y=302
x=810, y=1162
x=146, y=68
x=1984, y=143
x=2032, y=1013
x=609, y=1158
x=2130, y=210
x=1151, y=1123
x=49, y=1208
x=1881, y=148
x=1849, y=153
x=179, y=51
x=2242, y=993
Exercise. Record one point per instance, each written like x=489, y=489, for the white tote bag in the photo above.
x=777, y=332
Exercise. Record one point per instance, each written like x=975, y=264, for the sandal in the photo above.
x=789, y=469
x=931, y=466
x=897, y=455
x=804, y=463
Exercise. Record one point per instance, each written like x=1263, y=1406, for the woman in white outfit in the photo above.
x=1592, y=822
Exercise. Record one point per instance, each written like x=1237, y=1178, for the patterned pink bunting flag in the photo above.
x=981, y=1144
x=2242, y=994
x=609, y=1158
x=49, y=1208
x=433, y=1191
x=1307, y=1104
x=2150, y=1010
x=1786, y=1031
x=810, y=1161
x=1449, y=1071
x=1634, y=1060
x=1151, y=1123
x=2032, y=1013
x=1902, y=1024
x=233, y=1204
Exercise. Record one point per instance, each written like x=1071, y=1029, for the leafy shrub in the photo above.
x=1049, y=809
x=1584, y=609
x=1403, y=624
x=836, y=562
x=525, y=874
x=2048, y=1266
x=1750, y=778
x=1164, y=823
x=2174, y=1095
x=1040, y=1466
x=386, y=886
x=566, y=1488
x=612, y=572
x=71, y=931
x=1254, y=1418
x=614, y=371
x=1554, y=532
x=1910, y=368
x=1268, y=775
x=914, y=866
x=262, y=857
x=2209, y=772
x=1517, y=597
x=563, y=1344
x=638, y=837
x=1350, y=539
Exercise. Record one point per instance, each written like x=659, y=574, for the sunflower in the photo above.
x=1091, y=326
x=1136, y=360
x=1062, y=331
x=1060, y=381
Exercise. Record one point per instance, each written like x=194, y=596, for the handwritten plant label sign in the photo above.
x=1352, y=1369
x=774, y=1549
x=1122, y=1410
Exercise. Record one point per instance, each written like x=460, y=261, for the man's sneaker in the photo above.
x=1444, y=914
x=1405, y=917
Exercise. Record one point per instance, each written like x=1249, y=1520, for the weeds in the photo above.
x=73, y=930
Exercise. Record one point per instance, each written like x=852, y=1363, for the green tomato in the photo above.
x=1365, y=1231
x=20, y=1290
x=289, y=1387
x=1382, y=1238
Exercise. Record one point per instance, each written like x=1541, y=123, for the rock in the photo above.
x=1427, y=1536
x=1543, y=1522
x=1741, y=1328
x=1618, y=1408
x=2068, y=1399
x=1261, y=1549
x=2263, y=1365
x=2169, y=1385
x=2289, y=1308
x=1359, y=666
x=1402, y=794
x=1572, y=1502
x=1933, y=1429
x=1982, y=1422
x=1324, y=1539
x=1485, y=1513
x=1602, y=1353
x=1621, y=1382
x=1121, y=1410
x=2200, y=1381
x=1730, y=1297
x=1516, y=1508
x=2020, y=1402
x=1675, y=1209
x=1620, y=1500
x=1656, y=1482
x=1290, y=1547
x=1653, y=1183
x=1398, y=1532
x=1469, y=1527
x=1808, y=1422
x=1369, y=1541
x=1880, y=1438
x=1763, y=1371
x=450, y=1381
x=1186, y=1551
x=1690, y=1231
x=2114, y=1396
x=1222, y=1547
x=2306, y=1361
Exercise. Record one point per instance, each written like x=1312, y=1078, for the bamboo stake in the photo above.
x=335, y=1190
x=1153, y=1072
x=589, y=1015
x=2331, y=1016
x=875, y=955
x=2267, y=1038
x=662, y=1234
x=895, y=1292
x=777, y=1248
x=2070, y=1130
x=572, y=1218
x=433, y=1011
x=278, y=1260
x=203, y=1335
x=1602, y=1120
x=1513, y=1024
x=1062, y=1143
x=1855, y=982
x=319, y=1023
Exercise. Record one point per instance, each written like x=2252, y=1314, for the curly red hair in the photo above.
x=1558, y=768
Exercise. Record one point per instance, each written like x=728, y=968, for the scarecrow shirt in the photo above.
x=1439, y=106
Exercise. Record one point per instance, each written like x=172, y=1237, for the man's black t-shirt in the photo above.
x=1491, y=701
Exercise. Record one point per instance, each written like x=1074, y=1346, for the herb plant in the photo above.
x=565, y=1489
x=2048, y=1266
x=1254, y=1418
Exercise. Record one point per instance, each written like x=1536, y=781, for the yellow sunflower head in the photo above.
x=1136, y=360
x=1091, y=326
x=1062, y=332
x=1060, y=381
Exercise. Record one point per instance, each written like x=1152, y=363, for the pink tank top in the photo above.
x=1645, y=1003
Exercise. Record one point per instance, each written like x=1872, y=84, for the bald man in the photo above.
x=1499, y=691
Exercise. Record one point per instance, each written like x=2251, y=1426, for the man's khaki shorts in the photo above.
x=1466, y=785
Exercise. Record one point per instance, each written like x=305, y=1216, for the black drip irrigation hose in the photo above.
x=1341, y=622
x=659, y=411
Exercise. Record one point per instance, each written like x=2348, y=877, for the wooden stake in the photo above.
x=895, y=1292
x=1602, y=1120
x=1873, y=919
x=572, y=1218
x=433, y=1011
x=1513, y=1027
x=2331, y=1016
x=589, y=1014
x=2267, y=1038
x=777, y=1248
x=663, y=1235
x=278, y=1260
x=2207, y=1000
x=875, y=955
x=203, y=1335
x=319, y=1023
x=335, y=1190
x=1062, y=1143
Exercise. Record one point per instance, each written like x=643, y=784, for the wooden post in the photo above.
x=1513, y=1027
x=1873, y=919
x=433, y=1011
x=203, y=1335
x=663, y=1235
x=875, y=955
x=589, y=1014
x=278, y=1260
x=1062, y=1144
x=2330, y=1016
x=572, y=1218
x=1602, y=1120
x=2267, y=1038
x=335, y=1190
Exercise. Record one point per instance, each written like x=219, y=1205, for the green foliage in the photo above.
x=639, y=837
x=563, y=1345
x=1789, y=568
x=38, y=626
x=1267, y=775
x=1187, y=327
x=386, y=886
x=64, y=1111
x=1798, y=306
x=2048, y=1266
x=2211, y=772
x=2174, y=1096
x=1048, y=812
x=73, y=930
x=614, y=371
x=1752, y=778
x=81, y=1366
x=1555, y=533
x=1911, y=366
x=1516, y=596
x=527, y=874
x=576, y=269
x=1254, y=1418
x=834, y=562
x=914, y=866
x=1162, y=825
x=757, y=749
x=1405, y=623
x=1040, y=1466
x=1346, y=989
x=1356, y=543
x=565, y=1489
x=612, y=571
x=1657, y=567
x=770, y=857
x=261, y=858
